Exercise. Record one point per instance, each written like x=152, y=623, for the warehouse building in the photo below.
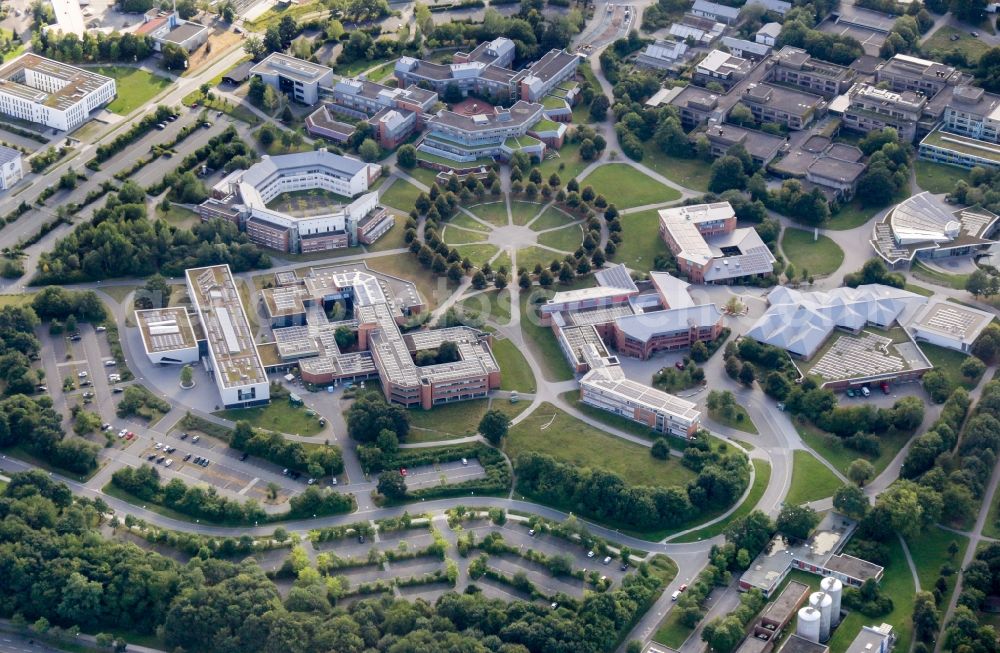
x=52, y=93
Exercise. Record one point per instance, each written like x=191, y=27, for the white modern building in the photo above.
x=949, y=325
x=11, y=167
x=51, y=93
x=167, y=336
x=297, y=78
x=233, y=358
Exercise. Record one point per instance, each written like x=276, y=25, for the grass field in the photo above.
x=567, y=239
x=465, y=222
x=492, y=304
x=691, y=173
x=458, y=420
x=967, y=44
x=514, y=371
x=550, y=219
x=493, y=212
x=762, y=476
x=423, y=175
x=920, y=290
x=401, y=195
x=539, y=338
x=178, y=217
x=949, y=362
x=929, y=551
x=641, y=242
x=567, y=165
x=820, y=257
x=811, y=480
x=527, y=257
x=571, y=441
x=937, y=177
x=851, y=215
x=479, y=253
x=672, y=632
x=523, y=212
x=135, y=87
x=830, y=448
x=624, y=186
x=279, y=415
x=746, y=424
x=612, y=420
x=924, y=273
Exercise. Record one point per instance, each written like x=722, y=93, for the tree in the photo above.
x=599, y=108
x=154, y=294
x=187, y=376
x=851, y=500
x=937, y=385
x=345, y=337
x=797, y=521
x=392, y=485
x=926, y=618
x=406, y=156
x=972, y=368
x=751, y=532
x=174, y=57
x=980, y=283
x=727, y=173
x=494, y=425
x=660, y=449
x=860, y=472
x=747, y=374
x=369, y=150
x=723, y=634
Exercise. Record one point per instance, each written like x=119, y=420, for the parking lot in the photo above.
x=451, y=472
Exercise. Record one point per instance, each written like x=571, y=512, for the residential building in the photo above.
x=708, y=246
x=663, y=54
x=243, y=197
x=168, y=336
x=378, y=304
x=820, y=555
x=872, y=108
x=768, y=34
x=794, y=109
x=11, y=167
x=714, y=11
x=232, y=356
x=167, y=27
x=52, y=93
x=300, y=80
x=746, y=49
x=923, y=226
x=722, y=68
x=795, y=67
x=502, y=132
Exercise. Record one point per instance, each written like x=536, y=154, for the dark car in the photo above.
x=151, y=456
x=184, y=436
x=244, y=456
x=187, y=457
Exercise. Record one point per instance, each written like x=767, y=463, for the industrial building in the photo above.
x=11, y=167
x=776, y=616
x=52, y=93
x=373, y=306
x=819, y=555
x=708, y=246
x=243, y=197
x=232, y=357
x=924, y=227
x=297, y=78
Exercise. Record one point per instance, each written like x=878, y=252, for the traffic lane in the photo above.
x=537, y=574
x=451, y=472
x=14, y=643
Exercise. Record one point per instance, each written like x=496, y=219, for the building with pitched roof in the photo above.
x=715, y=11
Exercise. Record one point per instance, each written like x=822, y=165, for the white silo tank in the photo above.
x=809, y=624
x=835, y=589
x=822, y=602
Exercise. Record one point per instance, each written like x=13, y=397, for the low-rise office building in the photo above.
x=540, y=78
x=872, y=108
x=499, y=134
x=794, y=66
x=168, y=336
x=484, y=79
x=297, y=78
x=761, y=146
x=52, y=93
x=499, y=52
x=746, y=49
x=722, y=68
x=708, y=246
x=904, y=72
x=782, y=105
x=167, y=27
x=11, y=167
x=715, y=11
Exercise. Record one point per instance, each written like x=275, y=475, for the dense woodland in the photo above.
x=53, y=564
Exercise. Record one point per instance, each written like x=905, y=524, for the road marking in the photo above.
x=249, y=485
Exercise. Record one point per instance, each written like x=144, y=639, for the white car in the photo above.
x=159, y=445
x=109, y=363
x=82, y=375
x=170, y=461
x=122, y=433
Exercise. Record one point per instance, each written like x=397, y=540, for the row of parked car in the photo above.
x=865, y=391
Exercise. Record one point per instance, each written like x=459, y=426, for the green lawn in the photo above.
x=937, y=177
x=672, y=632
x=479, y=253
x=830, y=448
x=745, y=424
x=641, y=242
x=567, y=164
x=401, y=195
x=514, y=371
x=492, y=304
x=929, y=551
x=924, y=273
x=523, y=212
x=528, y=257
x=920, y=290
x=493, y=212
x=992, y=526
x=762, y=476
x=454, y=235
x=567, y=239
x=852, y=215
x=178, y=217
x=279, y=415
x=459, y=419
x=465, y=222
x=624, y=186
x=540, y=338
x=134, y=87
x=690, y=173
x=502, y=261
x=571, y=441
x=423, y=175
x=552, y=218
x=948, y=361
x=811, y=480
x=433, y=289
x=612, y=420
x=967, y=44
x=820, y=257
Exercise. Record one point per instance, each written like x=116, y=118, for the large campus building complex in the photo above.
x=244, y=197
x=52, y=93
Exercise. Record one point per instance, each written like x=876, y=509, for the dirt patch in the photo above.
x=218, y=42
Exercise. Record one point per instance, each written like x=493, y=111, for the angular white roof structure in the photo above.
x=921, y=218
